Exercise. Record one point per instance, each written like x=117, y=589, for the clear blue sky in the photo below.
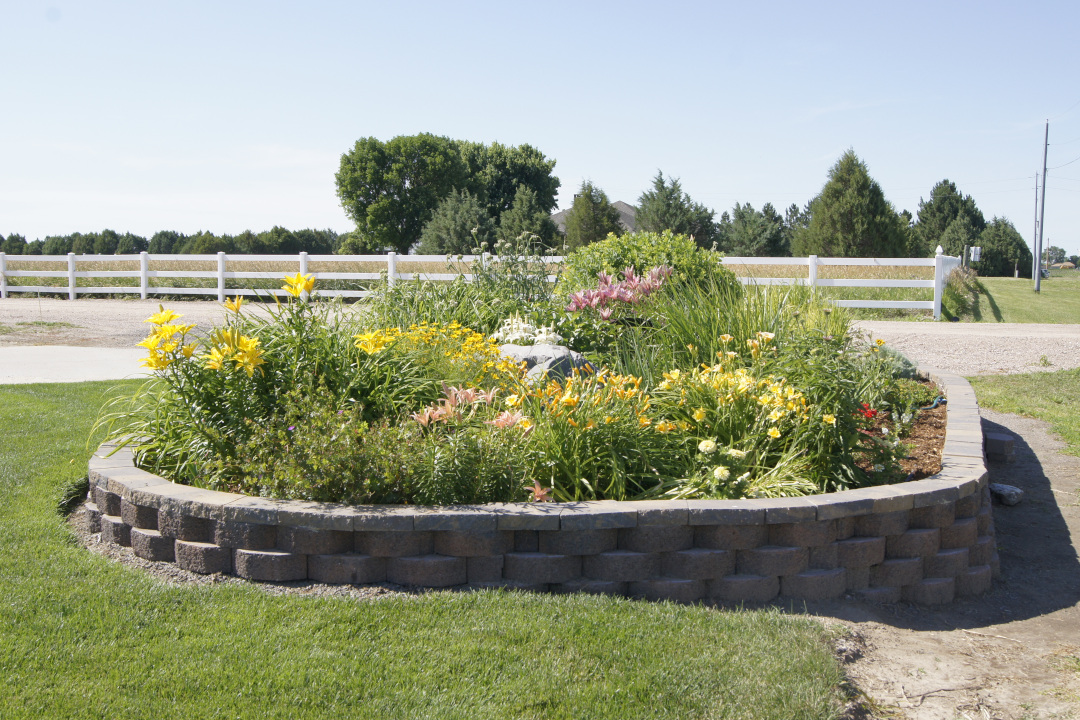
x=224, y=116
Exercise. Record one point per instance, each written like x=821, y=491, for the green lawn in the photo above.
x=84, y=637
x=1014, y=300
x=1048, y=396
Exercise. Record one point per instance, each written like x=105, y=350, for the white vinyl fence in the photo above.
x=232, y=282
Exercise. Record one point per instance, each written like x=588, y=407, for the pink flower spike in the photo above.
x=605, y=313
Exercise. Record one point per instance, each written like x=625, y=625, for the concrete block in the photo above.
x=968, y=506
x=473, y=544
x=914, y=543
x=845, y=504
x=347, y=569
x=933, y=516
x=882, y=524
x=427, y=570
x=946, y=563
x=897, y=572
x=985, y=520
x=591, y=587
x=697, y=564
x=962, y=533
x=744, y=588
x=981, y=552
x=138, y=516
x=995, y=565
x=803, y=534
x=269, y=565
x=151, y=545
x=203, y=558
x=384, y=518
x=727, y=512
x=184, y=527
x=114, y=530
x=313, y=541
x=1000, y=447
x=845, y=528
x=621, y=566
x=656, y=538
x=662, y=512
x=484, y=569
x=975, y=580
x=107, y=502
x=527, y=516
x=541, y=568
x=931, y=591
x=790, y=510
x=316, y=515
x=472, y=518
x=772, y=561
x=251, y=510
x=578, y=542
x=386, y=543
x=731, y=537
x=825, y=557
x=244, y=535
x=526, y=541
x=598, y=516
x=858, y=578
x=680, y=591
x=814, y=584
x=860, y=551
x=91, y=518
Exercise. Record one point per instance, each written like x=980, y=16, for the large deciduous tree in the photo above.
x=851, y=217
x=667, y=207
x=390, y=189
x=591, y=218
x=945, y=205
x=496, y=172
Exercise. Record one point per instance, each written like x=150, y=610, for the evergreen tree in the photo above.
x=1004, y=251
x=459, y=225
x=749, y=233
x=851, y=217
x=591, y=218
x=667, y=207
x=527, y=215
x=945, y=205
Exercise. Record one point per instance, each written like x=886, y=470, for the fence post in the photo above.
x=3, y=276
x=391, y=268
x=939, y=281
x=484, y=260
x=71, y=276
x=221, y=277
x=812, y=272
x=303, y=271
x=144, y=277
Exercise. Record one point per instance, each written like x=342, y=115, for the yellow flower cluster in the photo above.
x=167, y=341
x=298, y=284
x=587, y=400
x=229, y=345
x=476, y=355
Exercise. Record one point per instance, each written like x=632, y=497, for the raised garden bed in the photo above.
x=926, y=541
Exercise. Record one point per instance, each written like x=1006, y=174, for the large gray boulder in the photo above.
x=553, y=361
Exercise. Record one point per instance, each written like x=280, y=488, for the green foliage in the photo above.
x=72, y=495
x=960, y=234
x=667, y=207
x=906, y=395
x=643, y=251
x=458, y=225
x=946, y=205
x=527, y=215
x=14, y=244
x=591, y=218
x=1004, y=251
x=752, y=233
x=851, y=217
x=1053, y=255
x=961, y=293
x=496, y=173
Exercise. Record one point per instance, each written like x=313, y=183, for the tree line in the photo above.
x=276, y=241
x=850, y=217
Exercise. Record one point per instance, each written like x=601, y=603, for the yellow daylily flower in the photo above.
x=699, y=414
x=215, y=359
x=234, y=304
x=773, y=433
x=298, y=284
x=162, y=316
x=829, y=419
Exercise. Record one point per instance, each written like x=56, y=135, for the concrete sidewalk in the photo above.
x=21, y=364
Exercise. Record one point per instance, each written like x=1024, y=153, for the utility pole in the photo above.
x=1042, y=209
x=1035, y=234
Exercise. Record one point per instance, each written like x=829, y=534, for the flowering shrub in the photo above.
x=631, y=290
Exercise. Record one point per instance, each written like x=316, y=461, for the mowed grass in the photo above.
x=84, y=637
x=1014, y=300
x=1048, y=396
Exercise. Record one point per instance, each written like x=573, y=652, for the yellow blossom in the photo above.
x=298, y=284
x=234, y=304
x=644, y=421
x=829, y=419
x=665, y=426
x=162, y=316
x=773, y=433
x=726, y=338
x=879, y=342
x=215, y=359
x=721, y=473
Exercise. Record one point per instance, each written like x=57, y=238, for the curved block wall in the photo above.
x=926, y=541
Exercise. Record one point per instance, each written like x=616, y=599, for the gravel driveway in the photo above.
x=964, y=349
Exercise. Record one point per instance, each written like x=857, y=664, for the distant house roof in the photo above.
x=627, y=216
x=1064, y=266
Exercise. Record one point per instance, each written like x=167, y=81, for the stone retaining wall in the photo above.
x=926, y=541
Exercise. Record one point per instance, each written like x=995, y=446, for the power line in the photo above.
x=1068, y=163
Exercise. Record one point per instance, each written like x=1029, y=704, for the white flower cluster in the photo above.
x=517, y=331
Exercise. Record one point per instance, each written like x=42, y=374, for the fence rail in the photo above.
x=226, y=278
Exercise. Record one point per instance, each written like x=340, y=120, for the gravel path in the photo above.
x=964, y=349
